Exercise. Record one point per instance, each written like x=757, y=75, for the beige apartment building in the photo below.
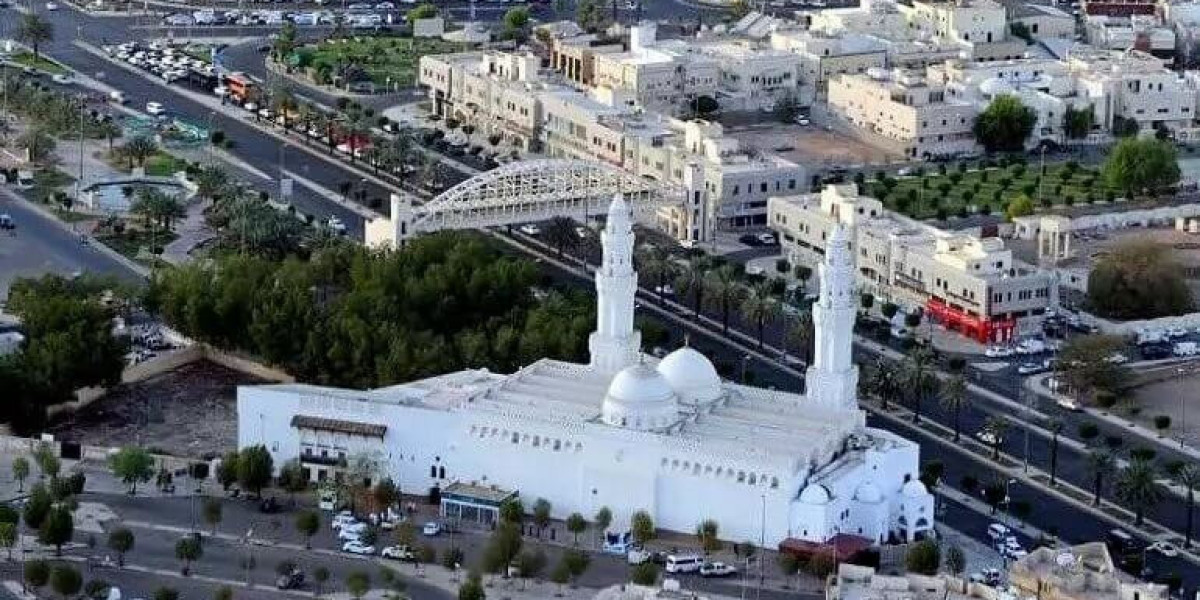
x=970, y=284
x=907, y=108
x=495, y=91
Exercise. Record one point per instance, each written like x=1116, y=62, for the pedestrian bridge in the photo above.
x=522, y=192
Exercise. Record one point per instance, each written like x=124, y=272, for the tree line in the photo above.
x=354, y=317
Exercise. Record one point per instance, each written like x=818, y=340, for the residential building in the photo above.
x=667, y=76
x=905, y=107
x=1082, y=572
x=1138, y=32
x=970, y=284
x=495, y=91
x=624, y=431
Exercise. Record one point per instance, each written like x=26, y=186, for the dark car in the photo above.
x=269, y=505
x=290, y=580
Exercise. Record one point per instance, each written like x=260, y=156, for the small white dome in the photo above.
x=640, y=398
x=691, y=375
x=914, y=489
x=869, y=493
x=815, y=494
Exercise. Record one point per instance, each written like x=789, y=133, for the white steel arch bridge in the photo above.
x=536, y=190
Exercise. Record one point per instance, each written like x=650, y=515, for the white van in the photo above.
x=684, y=563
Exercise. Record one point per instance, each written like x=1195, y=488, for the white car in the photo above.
x=530, y=229
x=351, y=531
x=1163, y=548
x=397, y=553
x=155, y=108
x=357, y=547
x=431, y=529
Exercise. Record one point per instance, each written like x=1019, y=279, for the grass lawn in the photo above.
x=381, y=57
x=131, y=241
x=989, y=189
x=162, y=164
x=26, y=59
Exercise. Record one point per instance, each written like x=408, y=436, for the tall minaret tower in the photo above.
x=832, y=380
x=615, y=344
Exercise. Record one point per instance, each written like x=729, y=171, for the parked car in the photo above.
x=357, y=547
x=398, y=553
x=717, y=569
x=1163, y=548
x=291, y=580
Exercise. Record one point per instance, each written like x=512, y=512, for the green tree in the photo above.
x=212, y=513
x=1141, y=165
x=919, y=377
x=541, y=514
x=924, y=557
x=187, y=551
x=132, y=465
x=1005, y=124
x=57, y=529
x=121, y=541
x=644, y=574
x=724, y=291
x=954, y=398
x=37, y=573
x=20, y=471
x=955, y=561
x=642, y=527
x=8, y=537
x=308, y=523
x=472, y=588
x=1078, y=123
x=1137, y=487
x=576, y=524
x=357, y=583
x=1085, y=364
x=254, y=469
x=34, y=30
x=422, y=11
x=706, y=534
x=1138, y=279
x=227, y=470
x=65, y=581
x=1019, y=207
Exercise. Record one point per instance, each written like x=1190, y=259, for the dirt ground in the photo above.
x=191, y=411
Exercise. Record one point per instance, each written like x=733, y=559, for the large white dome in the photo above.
x=640, y=398
x=691, y=375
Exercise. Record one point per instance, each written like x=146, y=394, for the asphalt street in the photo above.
x=40, y=245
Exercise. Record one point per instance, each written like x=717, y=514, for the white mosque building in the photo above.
x=624, y=431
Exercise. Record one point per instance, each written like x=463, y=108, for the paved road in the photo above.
x=41, y=245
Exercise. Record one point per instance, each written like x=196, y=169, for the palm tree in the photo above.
x=724, y=290
x=1101, y=463
x=759, y=306
x=35, y=30
x=1137, y=487
x=884, y=381
x=1187, y=475
x=560, y=233
x=919, y=378
x=691, y=280
x=801, y=332
x=658, y=265
x=995, y=427
x=1055, y=426
x=954, y=398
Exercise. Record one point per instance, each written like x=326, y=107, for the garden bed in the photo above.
x=988, y=188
